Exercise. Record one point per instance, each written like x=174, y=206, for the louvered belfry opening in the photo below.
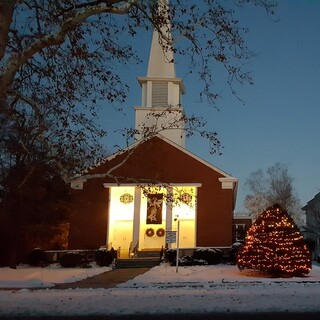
x=159, y=94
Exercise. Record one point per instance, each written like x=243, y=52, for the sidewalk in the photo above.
x=104, y=280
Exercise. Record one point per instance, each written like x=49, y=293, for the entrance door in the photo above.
x=120, y=226
x=122, y=236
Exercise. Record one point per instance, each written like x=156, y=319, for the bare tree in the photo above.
x=59, y=60
x=272, y=186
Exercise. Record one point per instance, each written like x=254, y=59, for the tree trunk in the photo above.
x=6, y=12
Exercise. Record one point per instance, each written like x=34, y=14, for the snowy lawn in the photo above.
x=220, y=288
x=30, y=277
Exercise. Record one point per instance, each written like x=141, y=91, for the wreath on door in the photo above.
x=149, y=232
x=160, y=232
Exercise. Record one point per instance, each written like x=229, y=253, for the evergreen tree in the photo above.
x=275, y=245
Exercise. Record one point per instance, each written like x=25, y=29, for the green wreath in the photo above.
x=149, y=232
x=160, y=232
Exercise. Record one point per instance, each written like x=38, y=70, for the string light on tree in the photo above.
x=275, y=245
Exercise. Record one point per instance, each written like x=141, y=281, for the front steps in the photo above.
x=136, y=263
x=143, y=259
x=154, y=253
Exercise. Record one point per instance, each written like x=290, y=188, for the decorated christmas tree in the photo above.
x=275, y=245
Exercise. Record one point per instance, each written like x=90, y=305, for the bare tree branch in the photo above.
x=272, y=186
x=17, y=60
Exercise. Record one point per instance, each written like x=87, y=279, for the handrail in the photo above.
x=135, y=248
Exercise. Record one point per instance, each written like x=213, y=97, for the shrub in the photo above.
x=311, y=244
x=104, y=257
x=186, y=261
x=211, y=256
x=72, y=260
x=200, y=257
x=234, y=251
x=170, y=255
x=37, y=258
x=191, y=261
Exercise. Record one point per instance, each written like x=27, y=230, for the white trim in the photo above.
x=196, y=218
x=77, y=184
x=108, y=238
x=136, y=216
x=169, y=214
x=189, y=153
x=178, y=81
x=192, y=155
x=191, y=184
x=228, y=183
x=164, y=108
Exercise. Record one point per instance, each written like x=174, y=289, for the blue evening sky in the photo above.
x=280, y=120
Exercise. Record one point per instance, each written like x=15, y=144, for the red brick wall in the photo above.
x=155, y=161
x=214, y=215
x=88, y=225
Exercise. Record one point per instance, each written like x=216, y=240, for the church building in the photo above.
x=137, y=196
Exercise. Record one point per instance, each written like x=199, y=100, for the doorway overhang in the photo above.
x=192, y=184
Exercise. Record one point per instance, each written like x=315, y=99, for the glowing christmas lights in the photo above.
x=275, y=245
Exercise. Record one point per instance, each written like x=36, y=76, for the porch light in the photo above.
x=126, y=198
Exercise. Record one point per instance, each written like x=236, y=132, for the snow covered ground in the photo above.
x=29, y=277
x=221, y=288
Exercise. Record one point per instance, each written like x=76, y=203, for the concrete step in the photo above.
x=137, y=263
x=148, y=253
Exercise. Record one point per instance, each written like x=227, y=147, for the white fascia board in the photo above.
x=228, y=182
x=179, y=81
x=152, y=109
x=77, y=184
x=135, y=144
x=242, y=216
x=191, y=184
x=208, y=164
x=189, y=153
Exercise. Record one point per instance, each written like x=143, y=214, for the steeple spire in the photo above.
x=161, y=109
x=161, y=61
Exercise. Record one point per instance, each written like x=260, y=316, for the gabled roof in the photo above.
x=176, y=176
x=228, y=181
x=187, y=152
x=310, y=204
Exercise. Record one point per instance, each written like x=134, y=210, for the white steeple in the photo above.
x=161, y=61
x=161, y=109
